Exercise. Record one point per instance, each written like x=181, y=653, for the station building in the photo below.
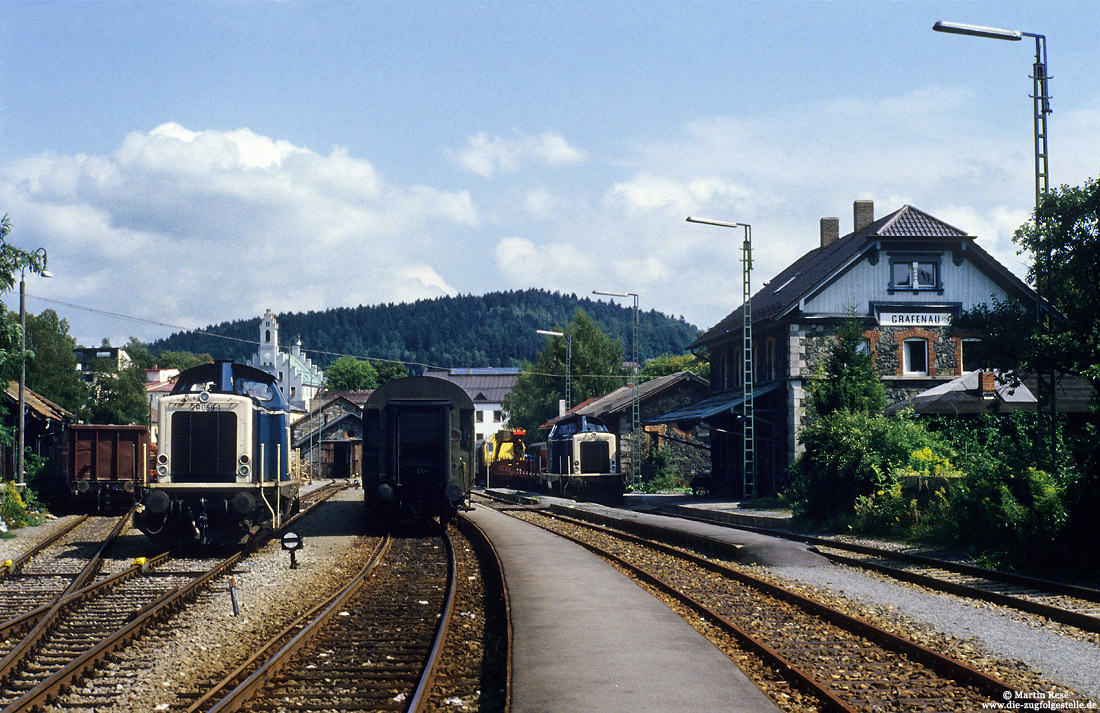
x=906, y=275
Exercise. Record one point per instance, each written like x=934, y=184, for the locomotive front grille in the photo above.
x=204, y=447
x=595, y=457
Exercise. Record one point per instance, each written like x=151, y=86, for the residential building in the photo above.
x=110, y=358
x=906, y=276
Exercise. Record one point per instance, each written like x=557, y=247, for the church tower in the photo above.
x=269, y=341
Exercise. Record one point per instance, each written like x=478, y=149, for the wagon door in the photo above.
x=423, y=440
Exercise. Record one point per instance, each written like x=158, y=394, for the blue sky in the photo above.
x=186, y=163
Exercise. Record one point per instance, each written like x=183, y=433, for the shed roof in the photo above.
x=1073, y=394
x=37, y=403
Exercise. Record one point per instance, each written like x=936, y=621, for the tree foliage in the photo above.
x=52, y=367
x=596, y=369
x=117, y=396
x=350, y=374
x=846, y=379
x=494, y=329
x=1064, y=234
x=667, y=364
x=181, y=360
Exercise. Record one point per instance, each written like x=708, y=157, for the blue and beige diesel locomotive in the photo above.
x=223, y=458
x=418, y=450
x=578, y=460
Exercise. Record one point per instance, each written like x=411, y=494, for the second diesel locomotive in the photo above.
x=223, y=458
x=418, y=449
x=577, y=461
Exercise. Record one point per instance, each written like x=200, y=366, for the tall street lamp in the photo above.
x=635, y=406
x=20, y=466
x=748, y=435
x=568, y=362
x=1041, y=101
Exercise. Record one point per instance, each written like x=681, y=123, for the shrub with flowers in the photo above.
x=15, y=510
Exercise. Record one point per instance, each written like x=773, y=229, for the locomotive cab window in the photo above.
x=256, y=389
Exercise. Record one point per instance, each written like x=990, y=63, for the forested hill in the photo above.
x=496, y=329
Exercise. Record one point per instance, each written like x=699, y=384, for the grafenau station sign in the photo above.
x=914, y=319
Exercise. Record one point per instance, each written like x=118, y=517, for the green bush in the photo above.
x=659, y=471
x=1013, y=516
x=849, y=455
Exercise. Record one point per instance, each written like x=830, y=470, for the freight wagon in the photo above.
x=106, y=464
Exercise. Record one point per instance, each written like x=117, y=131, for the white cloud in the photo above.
x=488, y=156
x=197, y=227
x=646, y=193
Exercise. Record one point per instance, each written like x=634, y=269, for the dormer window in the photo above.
x=915, y=272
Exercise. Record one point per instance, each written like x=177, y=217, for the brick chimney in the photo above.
x=830, y=231
x=988, y=384
x=863, y=214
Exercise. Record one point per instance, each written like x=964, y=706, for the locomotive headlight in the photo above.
x=244, y=502
x=162, y=470
x=158, y=502
x=162, y=458
x=243, y=468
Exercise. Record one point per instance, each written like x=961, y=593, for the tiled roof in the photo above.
x=814, y=269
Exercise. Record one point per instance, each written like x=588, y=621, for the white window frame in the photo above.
x=907, y=349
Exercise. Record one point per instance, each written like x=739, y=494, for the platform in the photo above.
x=586, y=638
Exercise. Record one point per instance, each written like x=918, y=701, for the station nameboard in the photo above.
x=914, y=319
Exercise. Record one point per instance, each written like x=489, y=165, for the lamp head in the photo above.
x=958, y=28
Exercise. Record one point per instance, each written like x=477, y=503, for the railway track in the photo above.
x=842, y=662
x=373, y=646
x=422, y=627
x=88, y=623
x=1066, y=603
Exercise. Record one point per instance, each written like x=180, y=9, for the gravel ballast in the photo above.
x=1054, y=652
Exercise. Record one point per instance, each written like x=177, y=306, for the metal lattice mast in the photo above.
x=748, y=437
x=635, y=410
x=1041, y=100
x=747, y=410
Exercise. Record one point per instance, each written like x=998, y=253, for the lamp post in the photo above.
x=20, y=465
x=1041, y=102
x=568, y=362
x=635, y=406
x=748, y=412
